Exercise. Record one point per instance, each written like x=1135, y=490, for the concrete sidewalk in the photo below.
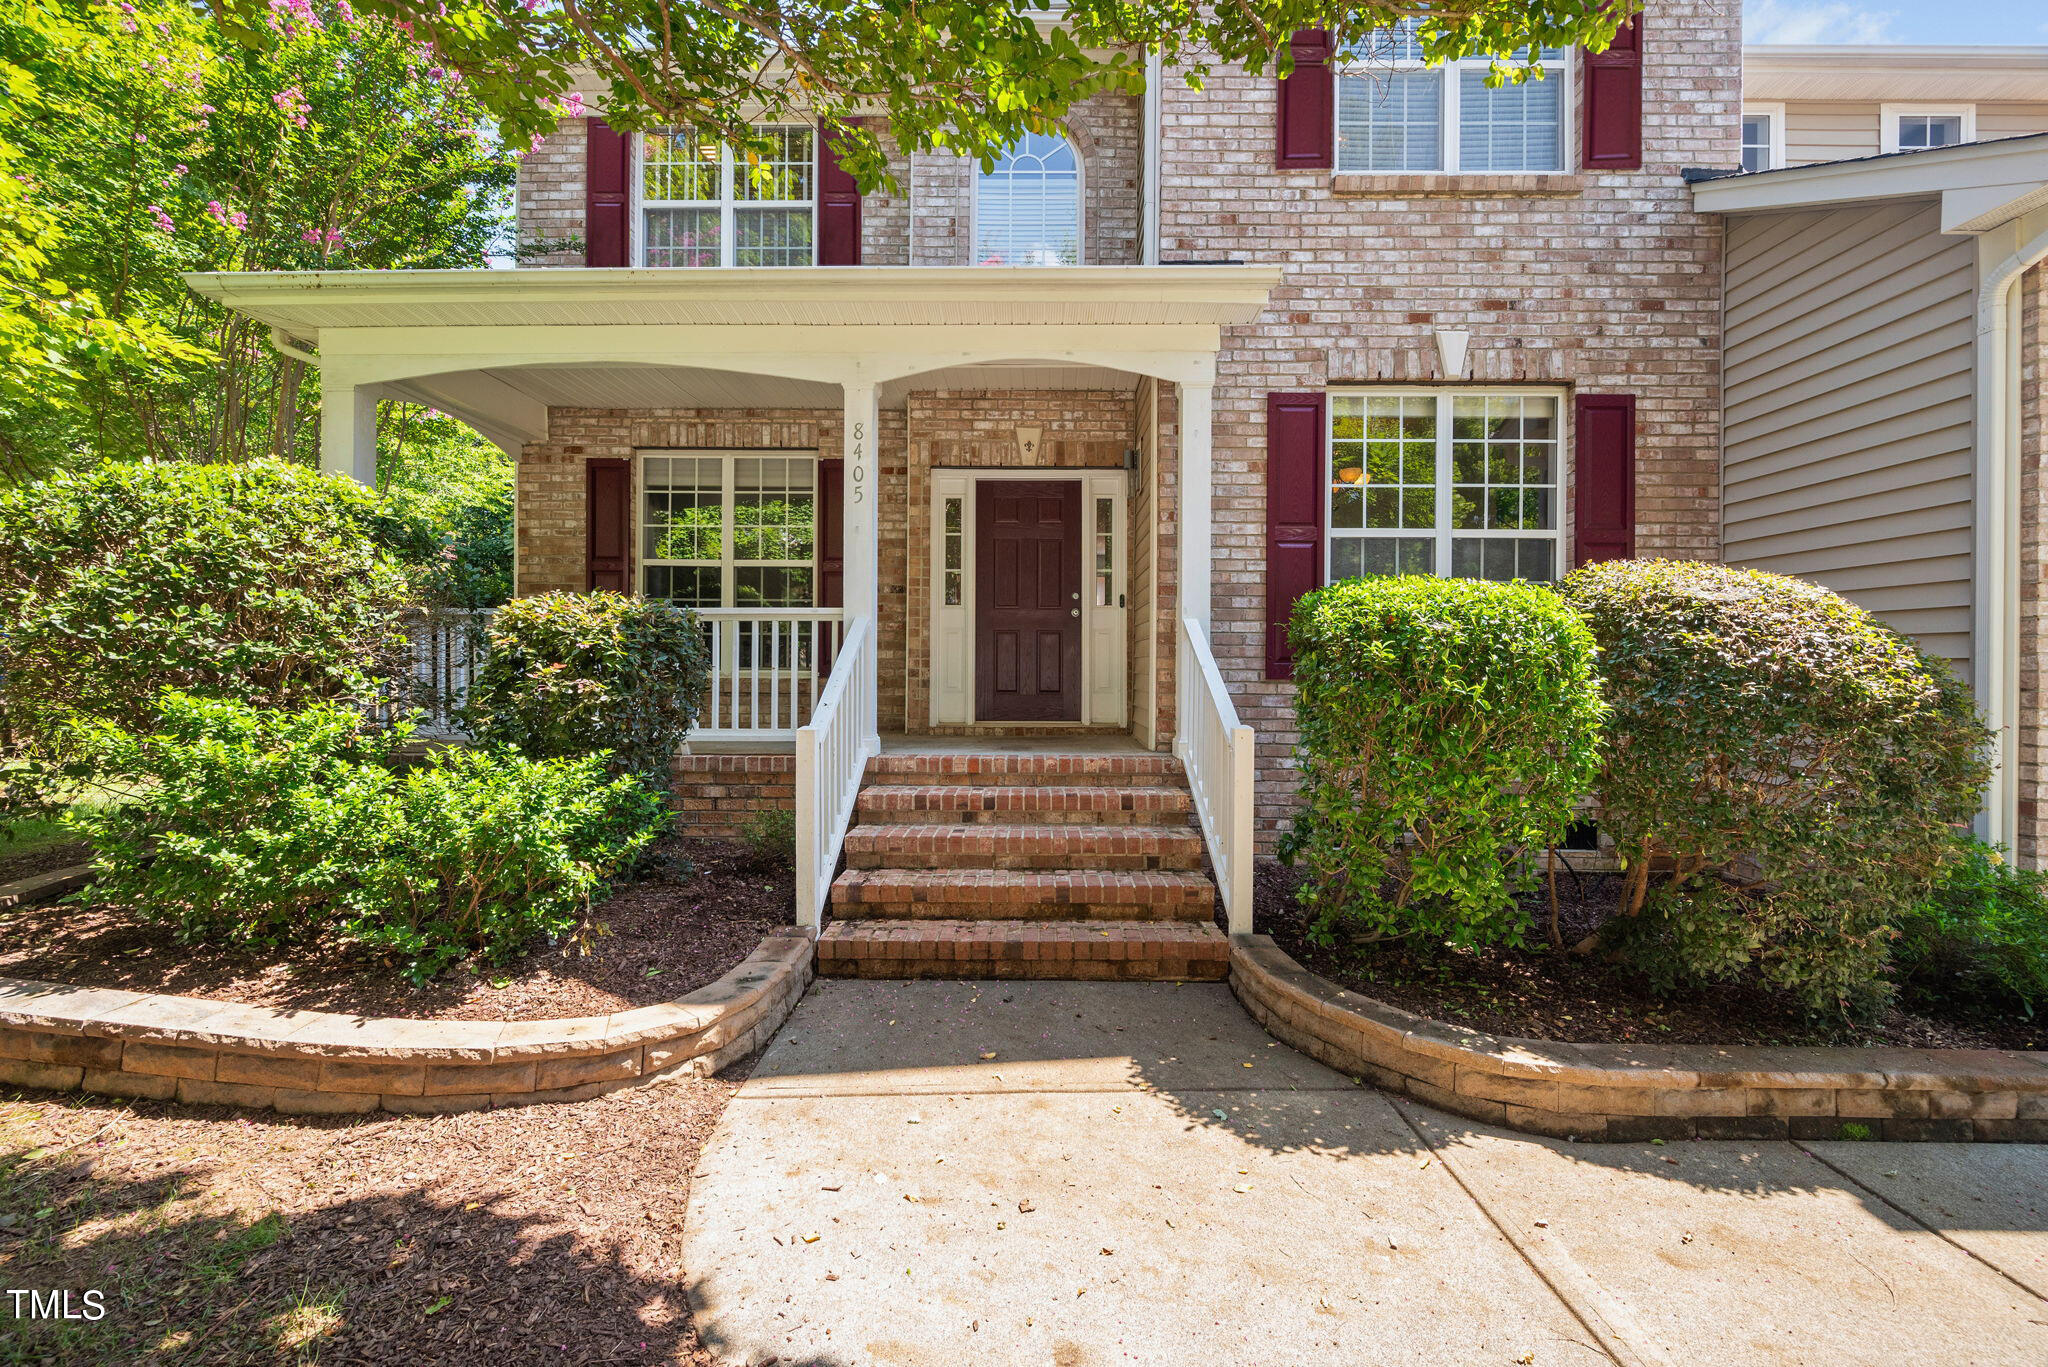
x=1034, y=1172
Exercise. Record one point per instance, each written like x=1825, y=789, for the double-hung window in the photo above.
x=703, y=204
x=1396, y=112
x=727, y=530
x=1455, y=482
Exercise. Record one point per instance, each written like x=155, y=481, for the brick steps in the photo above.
x=997, y=894
x=1048, y=804
x=1110, y=951
x=968, y=845
x=1071, y=771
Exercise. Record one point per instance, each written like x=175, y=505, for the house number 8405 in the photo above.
x=859, y=462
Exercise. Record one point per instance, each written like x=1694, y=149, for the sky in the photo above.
x=2003, y=22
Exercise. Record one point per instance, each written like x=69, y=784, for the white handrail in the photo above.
x=832, y=752
x=1218, y=751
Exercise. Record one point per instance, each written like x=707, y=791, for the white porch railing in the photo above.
x=1217, y=750
x=768, y=670
x=832, y=752
x=443, y=649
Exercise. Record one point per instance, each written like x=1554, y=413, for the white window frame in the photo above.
x=1774, y=152
x=1890, y=114
x=729, y=166
x=1563, y=70
x=1443, y=532
x=1080, y=205
x=728, y=564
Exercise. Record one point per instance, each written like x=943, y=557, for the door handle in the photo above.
x=1077, y=612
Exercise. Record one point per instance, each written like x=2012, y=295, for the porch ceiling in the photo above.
x=656, y=386
x=307, y=303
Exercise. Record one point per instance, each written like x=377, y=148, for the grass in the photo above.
x=166, y=1258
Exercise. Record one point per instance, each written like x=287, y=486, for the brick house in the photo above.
x=995, y=492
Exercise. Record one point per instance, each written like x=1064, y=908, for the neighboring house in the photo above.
x=1802, y=105
x=1052, y=449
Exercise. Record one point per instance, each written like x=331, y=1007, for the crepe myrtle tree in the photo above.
x=970, y=75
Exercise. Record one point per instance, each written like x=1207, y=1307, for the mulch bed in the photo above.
x=542, y=1234
x=42, y=859
x=703, y=908
x=1538, y=994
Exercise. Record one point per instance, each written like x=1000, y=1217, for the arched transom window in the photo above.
x=1027, y=211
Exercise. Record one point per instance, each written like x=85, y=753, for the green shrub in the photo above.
x=259, y=582
x=574, y=674
x=1781, y=777
x=1980, y=935
x=254, y=827
x=770, y=835
x=483, y=852
x=1447, y=727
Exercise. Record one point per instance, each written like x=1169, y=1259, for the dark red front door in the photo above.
x=1027, y=664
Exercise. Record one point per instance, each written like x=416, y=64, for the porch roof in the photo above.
x=304, y=304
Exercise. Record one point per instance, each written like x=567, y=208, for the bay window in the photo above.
x=1396, y=112
x=726, y=530
x=1463, y=483
x=703, y=204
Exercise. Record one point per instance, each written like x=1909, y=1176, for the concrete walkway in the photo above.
x=937, y=1174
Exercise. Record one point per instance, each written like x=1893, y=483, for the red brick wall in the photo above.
x=717, y=794
x=1611, y=283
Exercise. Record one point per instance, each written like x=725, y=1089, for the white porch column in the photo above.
x=348, y=427
x=1197, y=533
x=862, y=527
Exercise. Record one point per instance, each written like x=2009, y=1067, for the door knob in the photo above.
x=1076, y=595
x=1077, y=612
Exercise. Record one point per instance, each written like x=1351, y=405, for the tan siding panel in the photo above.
x=1847, y=441
x=2010, y=120
x=1817, y=131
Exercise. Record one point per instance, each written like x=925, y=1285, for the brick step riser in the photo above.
x=1050, y=861
x=875, y=780
x=1021, y=911
x=1174, y=821
x=1119, y=971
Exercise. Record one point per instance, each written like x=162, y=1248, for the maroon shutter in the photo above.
x=1295, y=480
x=831, y=534
x=1308, y=110
x=607, y=201
x=1613, y=137
x=838, y=210
x=1604, y=479
x=608, y=523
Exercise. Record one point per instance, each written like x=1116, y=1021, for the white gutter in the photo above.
x=1996, y=607
x=1148, y=210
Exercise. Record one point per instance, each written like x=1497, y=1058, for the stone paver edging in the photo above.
x=1633, y=1093
x=137, y=1044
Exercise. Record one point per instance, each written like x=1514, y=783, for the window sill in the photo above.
x=1458, y=185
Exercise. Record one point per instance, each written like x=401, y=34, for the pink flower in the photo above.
x=163, y=220
x=571, y=105
x=179, y=169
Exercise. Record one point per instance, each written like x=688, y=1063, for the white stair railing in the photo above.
x=832, y=752
x=1217, y=749
x=768, y=668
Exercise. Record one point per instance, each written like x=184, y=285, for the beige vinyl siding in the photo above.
x=2010, y=120
x=1816, y=131
x=1847, y=428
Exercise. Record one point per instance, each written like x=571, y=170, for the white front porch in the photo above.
x=500, y=350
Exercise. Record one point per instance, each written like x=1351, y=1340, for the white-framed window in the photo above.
x=729, y=529
x=1458, y=482
x=702, y=204
x=1763, y=137
x=1396, y=112
x=1027, y=208
x=1915, y=127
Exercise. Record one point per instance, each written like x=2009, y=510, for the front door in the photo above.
x=1027, y=664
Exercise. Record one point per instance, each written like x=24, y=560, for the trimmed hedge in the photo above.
x=253, y=827
x=573, y=674
x=1448, y=727
x=1782, y=776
